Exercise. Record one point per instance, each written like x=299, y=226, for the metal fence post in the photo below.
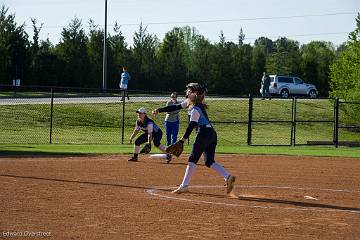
x=293, y=123
x=336, y=123
x=123, y=117
x=250, y=120
x=51, y=114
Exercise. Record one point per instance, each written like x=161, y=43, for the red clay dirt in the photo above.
x=106, y=197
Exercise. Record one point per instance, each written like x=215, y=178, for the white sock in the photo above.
x=162, y=148
x=188, y=173
x=220, y=169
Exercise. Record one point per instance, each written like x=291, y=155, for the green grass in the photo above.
x=320, y=151
x=74, y=149
x=101, y=123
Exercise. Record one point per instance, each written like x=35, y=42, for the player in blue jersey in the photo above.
x=152, y=133
x=124, y=82
x=206, y=138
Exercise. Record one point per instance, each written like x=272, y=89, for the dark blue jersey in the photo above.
x=144, y=126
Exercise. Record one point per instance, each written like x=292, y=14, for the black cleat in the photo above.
x=168, y=158
x=133, y=159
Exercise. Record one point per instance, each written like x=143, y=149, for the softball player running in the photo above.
x=152, y=133
x=206, y=138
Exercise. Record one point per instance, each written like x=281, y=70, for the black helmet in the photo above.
x=199, y=87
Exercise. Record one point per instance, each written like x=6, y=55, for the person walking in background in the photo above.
x=265, y=85
x=125, y=78
x=172, y=121
x=152, y=133
x=206, y=137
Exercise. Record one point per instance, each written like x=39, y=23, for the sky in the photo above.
x=300, y=20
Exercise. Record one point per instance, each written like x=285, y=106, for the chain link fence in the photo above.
x=347, y=130
x=88, y=116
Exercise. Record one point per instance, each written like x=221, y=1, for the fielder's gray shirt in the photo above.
x=172, y=116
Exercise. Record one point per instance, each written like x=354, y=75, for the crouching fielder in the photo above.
x=152, y=133
x=206, y=138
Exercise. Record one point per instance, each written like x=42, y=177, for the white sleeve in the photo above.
x=194, y=115
x=150, y=127
x=185, y=103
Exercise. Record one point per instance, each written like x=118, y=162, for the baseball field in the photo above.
x=106, y=197
x=82, y=186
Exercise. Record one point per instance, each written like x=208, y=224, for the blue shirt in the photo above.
x=125, y=77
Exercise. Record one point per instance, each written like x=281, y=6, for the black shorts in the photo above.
x=143, y=138
x=205, y=142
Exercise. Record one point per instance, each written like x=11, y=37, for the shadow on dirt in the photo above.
x=283, y=202
x=241, y=198
x=13, y=154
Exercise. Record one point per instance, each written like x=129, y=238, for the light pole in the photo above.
x=105, y=50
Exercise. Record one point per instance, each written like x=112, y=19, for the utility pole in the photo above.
x=105, y=51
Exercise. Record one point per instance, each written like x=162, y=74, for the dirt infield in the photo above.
x=106, y=197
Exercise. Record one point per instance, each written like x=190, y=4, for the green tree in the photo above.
x=143, y=67
x=14, y=49
x=345, y=74
x=190, y=37
x=47, y=67
x=72, y=49
x=247, y=82
x=265, y=45
x=218, y=63
x=241, y=37
x=119, y=55
x=263, y=48
x=285, y=59
x=317, y=56
x=226, y=67
x=172, y=60
x=201, y=60
x=241, y=60
x=35, y=67
x=340, y=49
x=95, y=46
